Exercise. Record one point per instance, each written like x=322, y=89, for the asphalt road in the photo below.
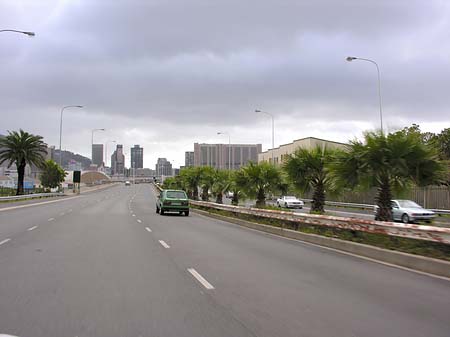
x=106, y=265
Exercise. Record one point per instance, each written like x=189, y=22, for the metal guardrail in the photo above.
x=427, y=233
x=30, y=196
x=370, y=207
x=421, y=232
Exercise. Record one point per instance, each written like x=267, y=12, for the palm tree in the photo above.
x=172, y=183
x=220, y=185
x=190, y=177
x=306, y=169
x=235, y=187
x=22, y=148
x=391, y=163
x=206, y=181
x=257, y=180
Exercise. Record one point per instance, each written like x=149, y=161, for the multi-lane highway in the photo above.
x=104, y=264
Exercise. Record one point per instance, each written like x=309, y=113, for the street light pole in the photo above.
x=30, y=34
x=60, y=128
x=229, y=148
x=106, y=150
x=352, y=58
x=92, y=143
x=273, y=131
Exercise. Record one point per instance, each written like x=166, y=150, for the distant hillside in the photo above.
x=68, y=156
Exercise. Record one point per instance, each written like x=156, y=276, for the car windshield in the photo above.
x=408, y=204
x=290, y=198
x=176, y=195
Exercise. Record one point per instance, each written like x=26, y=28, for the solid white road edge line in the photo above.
x=148, y=229
x=36, y=204
x=31, y=228
x=200, y=279
x=165, y=245
x=4, y=241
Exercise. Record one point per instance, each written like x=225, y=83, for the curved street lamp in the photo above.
x=273, y=131
x=30, y=34
x=60, y=128
x=352, y=58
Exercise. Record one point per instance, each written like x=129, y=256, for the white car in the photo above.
x=408, y=211
x=289, y=202
x=127, y=183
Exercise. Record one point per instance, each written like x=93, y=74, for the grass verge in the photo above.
x=412, y=246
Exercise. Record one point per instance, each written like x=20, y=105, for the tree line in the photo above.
x=392, y=163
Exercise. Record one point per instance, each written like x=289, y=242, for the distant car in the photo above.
x=289, y=202
x=408, y=211
x=127, y=183
x=172, y=201
x=229, y=195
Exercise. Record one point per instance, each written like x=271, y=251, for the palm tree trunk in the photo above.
x=261, y=199
x=21, y=175
x=318, y=201
x=205, y=196
x=219, y=198
x=383, y=200
x=235, y=199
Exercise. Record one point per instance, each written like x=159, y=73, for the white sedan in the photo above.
x=408, y=211
x=289, y=202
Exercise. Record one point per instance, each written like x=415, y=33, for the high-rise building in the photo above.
x=137, y=157
x=224, y=156
x=163, y=167
x=97, y=154
x=118, y=161
x=189, y=158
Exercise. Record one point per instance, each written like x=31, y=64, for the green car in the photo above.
x=172, y=201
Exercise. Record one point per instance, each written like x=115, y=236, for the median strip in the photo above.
x=200, y=279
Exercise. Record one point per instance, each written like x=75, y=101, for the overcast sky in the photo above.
x=167, y=73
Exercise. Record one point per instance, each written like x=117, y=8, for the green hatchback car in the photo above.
x=172, y=201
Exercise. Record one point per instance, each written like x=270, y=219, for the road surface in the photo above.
x=106, y=265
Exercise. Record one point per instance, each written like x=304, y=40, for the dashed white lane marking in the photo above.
x=61, y=214
x=200, y=278
x=70, y=210
x=133, y=214
x=4, y=241
x=31, y=228
x=51, y=219
x=165, y=245
x=139, y=220
x=148, y=229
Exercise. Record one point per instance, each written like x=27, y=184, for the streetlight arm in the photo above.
x=18, y=31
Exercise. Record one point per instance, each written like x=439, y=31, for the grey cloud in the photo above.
x=208, y=64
